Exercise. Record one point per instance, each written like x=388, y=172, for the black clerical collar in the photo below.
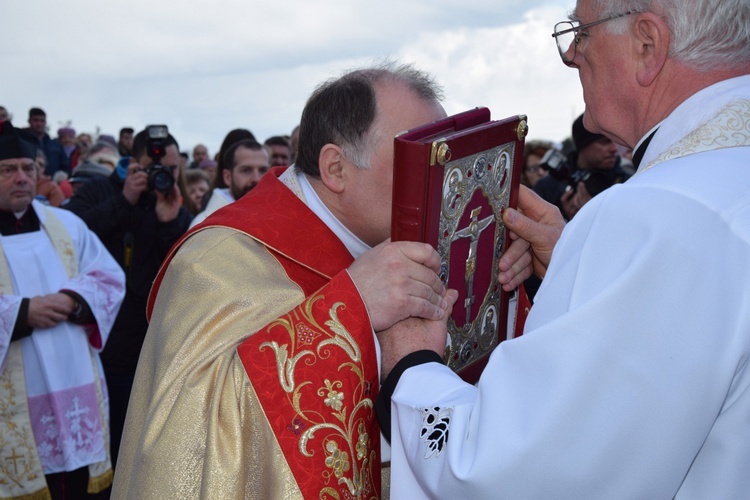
x=641, y=149
x=27, y=223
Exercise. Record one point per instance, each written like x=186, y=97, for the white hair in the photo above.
x=706, y=34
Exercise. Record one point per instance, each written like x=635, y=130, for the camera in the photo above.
x=558, y=167
x=160, y=178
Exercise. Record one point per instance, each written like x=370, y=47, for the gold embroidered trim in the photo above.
x=728, y=128
x=21, y=472
x=101, y=474
x=342, y=433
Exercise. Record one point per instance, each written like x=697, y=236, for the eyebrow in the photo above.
x=573, y=16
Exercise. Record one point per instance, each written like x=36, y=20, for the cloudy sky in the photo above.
x=204, y=68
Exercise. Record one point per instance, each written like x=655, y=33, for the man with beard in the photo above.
x=247, y=161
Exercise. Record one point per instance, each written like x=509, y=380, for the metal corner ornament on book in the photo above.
x=452, y=179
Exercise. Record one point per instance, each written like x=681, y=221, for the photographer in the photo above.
x=137, y=213
x=590, y=169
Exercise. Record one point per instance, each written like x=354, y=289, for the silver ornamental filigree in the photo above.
x=490, y=172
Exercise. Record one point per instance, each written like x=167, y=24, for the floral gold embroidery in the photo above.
x=337, y=460
x=362, y=442
x=334, y=398
x=341, y=433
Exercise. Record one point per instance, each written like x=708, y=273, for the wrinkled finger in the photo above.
x=516, y=278
x=515, y=251
x=518, y=272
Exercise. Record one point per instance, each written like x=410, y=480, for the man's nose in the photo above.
x=21, y=177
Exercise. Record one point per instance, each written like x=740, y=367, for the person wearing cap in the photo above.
x=60, y=291
x=66, y=136
x=595, y=158
x=100, y=160
x=209, y=166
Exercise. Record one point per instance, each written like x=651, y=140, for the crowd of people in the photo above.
x=314, y=353
x=136, y=196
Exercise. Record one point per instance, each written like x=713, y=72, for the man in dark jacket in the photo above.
x=592, y=167
x=138, y=224
x=36, y=132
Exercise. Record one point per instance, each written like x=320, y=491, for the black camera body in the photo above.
x=558, y=167
x=160, y=178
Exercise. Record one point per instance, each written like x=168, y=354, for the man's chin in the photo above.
x=19, y=205
x=245, y=191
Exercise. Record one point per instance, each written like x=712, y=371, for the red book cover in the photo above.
x=452, y=178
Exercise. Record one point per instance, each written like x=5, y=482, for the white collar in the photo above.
x=352, y=243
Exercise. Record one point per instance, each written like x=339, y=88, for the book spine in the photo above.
x=410, y=178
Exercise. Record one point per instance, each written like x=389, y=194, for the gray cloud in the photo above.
x=205, y=68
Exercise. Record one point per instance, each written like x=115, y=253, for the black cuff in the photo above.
x=82, y=314
x=22, y=328
x=383, y=401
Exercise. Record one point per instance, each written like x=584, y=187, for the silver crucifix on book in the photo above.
x=472, y=231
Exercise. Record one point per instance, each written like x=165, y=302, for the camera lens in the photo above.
x=161, y=179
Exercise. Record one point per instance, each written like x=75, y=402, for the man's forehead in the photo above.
x=247, y=156
x=582, y=8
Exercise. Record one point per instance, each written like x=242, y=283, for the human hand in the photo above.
x=168, y=205
x=46, y=311
x=412, y=335
x=136, y=182
x=534, y=229
x=572, y=200
x=398, y=280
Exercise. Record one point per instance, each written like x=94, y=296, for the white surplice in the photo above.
x=632, y=377
x=59, y=362
x=220, y=197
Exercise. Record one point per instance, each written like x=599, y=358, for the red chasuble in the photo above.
x=314, y=369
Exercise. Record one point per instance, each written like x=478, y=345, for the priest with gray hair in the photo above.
x=631, y=379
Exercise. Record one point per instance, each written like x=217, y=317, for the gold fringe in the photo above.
x=100, y=483
x=42, y=494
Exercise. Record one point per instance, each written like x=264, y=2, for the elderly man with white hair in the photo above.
x=631, y=379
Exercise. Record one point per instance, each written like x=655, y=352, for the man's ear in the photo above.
x=652, y=38
x=331, y=166
x=226, y=174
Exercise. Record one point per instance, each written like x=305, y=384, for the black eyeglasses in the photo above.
x=568, y=33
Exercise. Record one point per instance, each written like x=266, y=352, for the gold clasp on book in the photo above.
x=440, y=153
x=523, y=128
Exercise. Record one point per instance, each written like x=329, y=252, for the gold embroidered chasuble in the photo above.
x=258, y=373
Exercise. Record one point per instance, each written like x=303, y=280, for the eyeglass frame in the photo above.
x=576, y=29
